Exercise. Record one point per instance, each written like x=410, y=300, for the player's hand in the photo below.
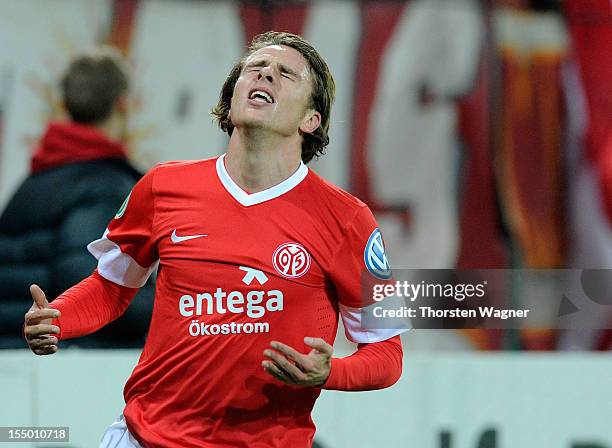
x=38, y=330
x=292, y=367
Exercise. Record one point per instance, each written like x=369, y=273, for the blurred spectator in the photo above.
x=79, y=177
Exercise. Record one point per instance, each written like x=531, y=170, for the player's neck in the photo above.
x=258, y=161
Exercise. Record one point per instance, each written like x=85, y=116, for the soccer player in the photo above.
x=257, y=256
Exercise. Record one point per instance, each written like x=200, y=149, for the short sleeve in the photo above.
x=126, y=253
x=359, y=263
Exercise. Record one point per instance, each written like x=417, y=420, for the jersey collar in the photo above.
x=248, y=199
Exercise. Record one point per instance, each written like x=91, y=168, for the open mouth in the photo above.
x=261, y=96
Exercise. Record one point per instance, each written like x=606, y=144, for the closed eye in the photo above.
x=255, y=66
x=286, y=72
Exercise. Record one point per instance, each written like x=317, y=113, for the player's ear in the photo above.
x=310, y=122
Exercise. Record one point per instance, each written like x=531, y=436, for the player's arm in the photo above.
x=87, y=307
x=373, y=366
x=72, y=262
x=126, y=257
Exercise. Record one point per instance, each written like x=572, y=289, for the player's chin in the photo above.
x=253, y=120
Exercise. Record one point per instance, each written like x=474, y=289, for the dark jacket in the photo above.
x=44, y=231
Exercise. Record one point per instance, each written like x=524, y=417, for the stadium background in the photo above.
x=478, y=132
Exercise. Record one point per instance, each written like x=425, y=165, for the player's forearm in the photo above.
x=89, y=305
x=373, y=366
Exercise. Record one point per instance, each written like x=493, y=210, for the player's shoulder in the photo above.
x=334, y=196
x=183, y=166
x=180, y=172
x=337, y=214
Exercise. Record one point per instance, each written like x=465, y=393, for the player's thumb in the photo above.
x=39, y=297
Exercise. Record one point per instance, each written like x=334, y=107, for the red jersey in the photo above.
x=236, y=271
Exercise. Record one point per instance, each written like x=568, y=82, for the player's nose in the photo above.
x=268, y=74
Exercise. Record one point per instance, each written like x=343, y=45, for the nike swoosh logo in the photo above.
x=178, y=239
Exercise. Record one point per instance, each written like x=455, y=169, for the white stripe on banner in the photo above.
x=118, y=267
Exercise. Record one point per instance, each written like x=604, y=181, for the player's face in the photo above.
x=273, y=92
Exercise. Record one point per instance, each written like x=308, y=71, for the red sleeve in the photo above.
x=350, y=258
x=373, y=366
x=359, y=264
x=127, y=252
x=89, y=305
